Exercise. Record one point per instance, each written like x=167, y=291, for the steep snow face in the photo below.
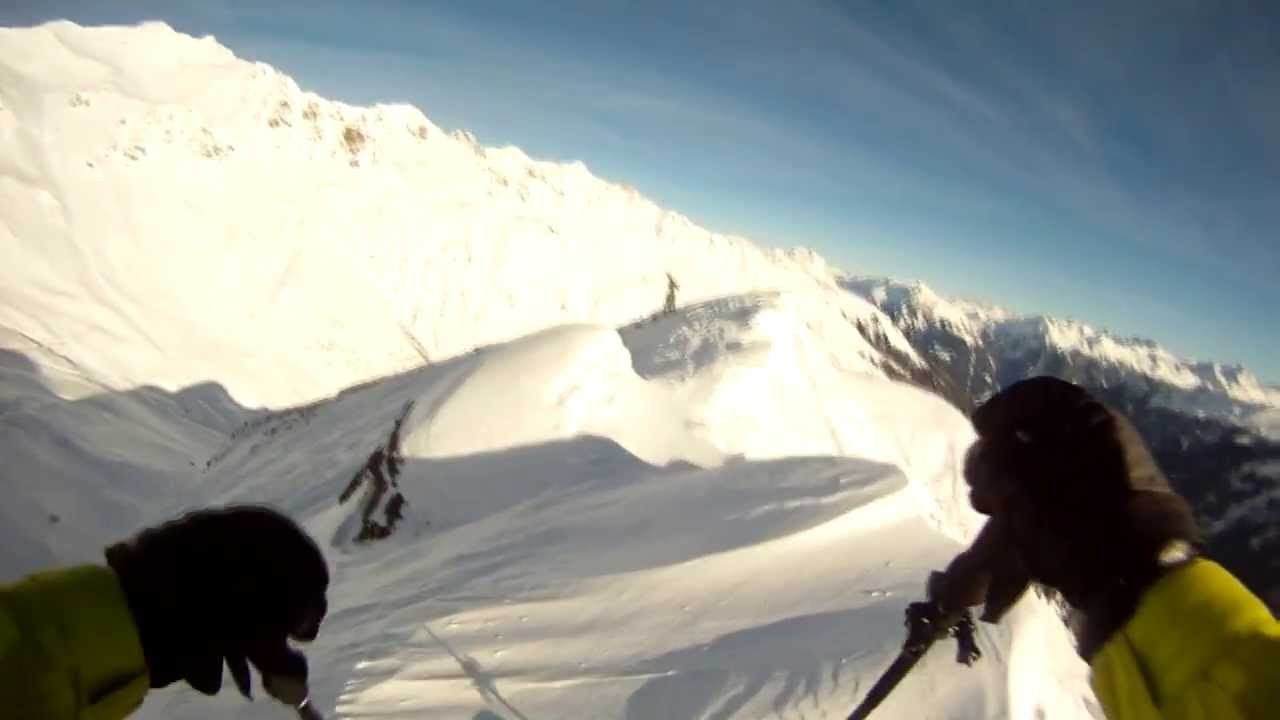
x=308, y=240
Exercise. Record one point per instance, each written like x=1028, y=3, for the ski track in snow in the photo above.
x=210, y=296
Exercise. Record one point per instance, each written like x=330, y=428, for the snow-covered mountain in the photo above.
x=990, y=346
x=1212, y=426
x=540, y=496
x=310, y=239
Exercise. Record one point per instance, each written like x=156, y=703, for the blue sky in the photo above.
x=1118, y=163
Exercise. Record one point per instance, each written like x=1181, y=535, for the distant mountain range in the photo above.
x=1212, y=427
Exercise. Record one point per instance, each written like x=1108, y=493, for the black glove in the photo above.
x=228, y=584
x=1074, y=491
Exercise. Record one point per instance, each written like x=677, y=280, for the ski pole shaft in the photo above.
x=926, y=624
x=307, y=711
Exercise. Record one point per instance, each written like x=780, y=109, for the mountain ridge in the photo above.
x=915, y=306
x=495, y=234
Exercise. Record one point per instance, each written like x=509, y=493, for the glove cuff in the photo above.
x=147, y=605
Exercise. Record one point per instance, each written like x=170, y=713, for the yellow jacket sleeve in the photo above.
x=69, y=648
x=1199, y=647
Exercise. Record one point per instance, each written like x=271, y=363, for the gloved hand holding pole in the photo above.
x=230, y=585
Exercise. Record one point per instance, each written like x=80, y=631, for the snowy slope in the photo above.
x=152, y=183
x=588, y=536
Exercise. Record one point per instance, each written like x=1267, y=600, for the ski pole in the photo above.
x=926, y=624
x=292, y=692
x=307, y=711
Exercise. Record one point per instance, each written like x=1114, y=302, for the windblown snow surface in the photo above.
x=219, y=288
